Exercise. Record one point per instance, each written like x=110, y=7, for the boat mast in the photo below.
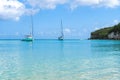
x=62, y=29
x=32, y=25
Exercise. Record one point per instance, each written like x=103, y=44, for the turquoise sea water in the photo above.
x=60, y=60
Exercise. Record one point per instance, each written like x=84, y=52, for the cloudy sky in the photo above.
x=80, y=17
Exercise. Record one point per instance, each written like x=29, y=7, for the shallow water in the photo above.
x=60, y=60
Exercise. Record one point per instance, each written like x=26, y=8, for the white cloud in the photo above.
x=67, y=30
x=51, y=4
x=116, y=21
x=96, y=28
x=31, y=11
x=76, y=3
x=11, y=9
x=101, y=3
x=46, y=4
x=109, y=3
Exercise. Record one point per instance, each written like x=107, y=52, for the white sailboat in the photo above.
x=62, y=35
x=29, y=37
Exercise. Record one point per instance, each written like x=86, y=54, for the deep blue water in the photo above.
x=60, y=60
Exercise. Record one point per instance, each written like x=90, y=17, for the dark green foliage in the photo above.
x=115, y=29
x=103, y=33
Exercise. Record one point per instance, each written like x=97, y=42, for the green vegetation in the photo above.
x=103, y=33
x=115, y=29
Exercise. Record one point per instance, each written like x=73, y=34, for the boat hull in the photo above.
x=27, y=39
x=60, y=38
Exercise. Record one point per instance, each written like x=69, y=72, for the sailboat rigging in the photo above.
x=29, y=37
x=62, y=35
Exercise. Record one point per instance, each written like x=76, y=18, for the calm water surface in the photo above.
x=60, y=60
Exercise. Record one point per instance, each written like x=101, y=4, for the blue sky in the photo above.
x=80, y=17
